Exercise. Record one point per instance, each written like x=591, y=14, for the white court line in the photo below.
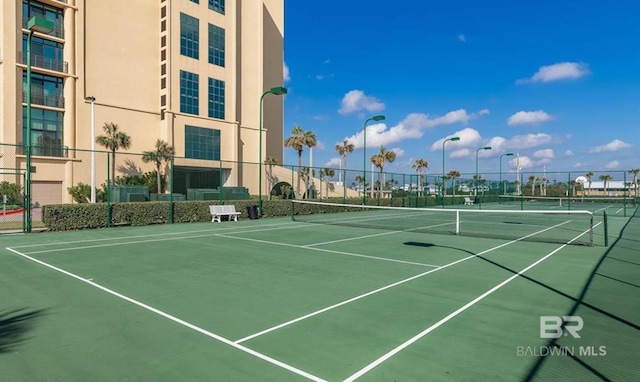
x=433, y=327
x=618, y=211
x=374, y=235
x=325, y=250
x=175, y=319
x=150, y=235
x=210, y=233
x=284, y=324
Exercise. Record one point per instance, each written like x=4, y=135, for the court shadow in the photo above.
x=14, y=325
x=418, y=244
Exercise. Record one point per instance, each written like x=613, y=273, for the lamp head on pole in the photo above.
x=453, y=139
x=278, y=90
x=41, y=25
x=485, y=148
x=378, y=118
x=90, y=99
x=508, y=154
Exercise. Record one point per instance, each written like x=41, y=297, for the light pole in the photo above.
x=40, y=25
x=504, y=186
x=477, y=179
x=444, y=176
x=93, y=148
x=364, y=150
x=278, y=90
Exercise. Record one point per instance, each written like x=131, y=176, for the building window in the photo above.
x=163, y=25
x=216, y=45
x=163, y=41
x=163, y=55
x=163, y=12
x=45, y=54
x=46, y=131
x=217, y=5
x=189, y=36
x=163, y=100
x=196, y=1
x=36, y=9
x=201, y=143
x=188, y=93
x=45, y=90
x=216, y=98
x=163, y=83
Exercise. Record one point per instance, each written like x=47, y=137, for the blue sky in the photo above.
x=557, y=82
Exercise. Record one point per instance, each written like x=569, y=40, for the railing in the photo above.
x=44, y=100
x=45, y=151
x=39, y=61
x=58, y=30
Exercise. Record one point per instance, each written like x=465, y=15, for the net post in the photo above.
x=457, y=222
x=606, y=228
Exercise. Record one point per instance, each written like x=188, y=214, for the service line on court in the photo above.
x=174, y=319
x=227, y=228
x=208, y=234
x=324, y=250
x=433, y=327
x=356, y=298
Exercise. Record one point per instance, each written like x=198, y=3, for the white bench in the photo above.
x=468, y=201
x=217, y=212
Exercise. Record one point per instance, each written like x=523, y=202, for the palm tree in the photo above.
x=589, y=176
x=453, y=174
x=298, y=140
x=344, y=149
x=605, y=178
x=269, y=162
x=635, y=173
x=532, y=182
x=326, y=172
x=379, y=160
x=113, y=140
x=360, y=180
x=420, y=166
x=163, y=153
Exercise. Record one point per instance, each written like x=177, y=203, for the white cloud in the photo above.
x=334, y=163
x=320, y=117
x=614, y=145
x=524, y=162
x=411, y=127
x=468, y=137
x=460, y=153
x=285, y=72
x=528, y=141
x=484, y=112
x=569, y=153
x=319, y=145
x=356, y=100
x=612, y=165
x=462, y=38
x=544, y=154
x=523, y=117
x=556, y=72
x=399, y=152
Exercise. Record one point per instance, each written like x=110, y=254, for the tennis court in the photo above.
x=277, y=300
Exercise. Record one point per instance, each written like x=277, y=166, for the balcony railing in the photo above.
x=44, y=100
x=40, y=61
x=58, y=30
x=45, y=151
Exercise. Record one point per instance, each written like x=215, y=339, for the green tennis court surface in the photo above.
x=277, y=300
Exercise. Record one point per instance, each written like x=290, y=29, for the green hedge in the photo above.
x=64, y=217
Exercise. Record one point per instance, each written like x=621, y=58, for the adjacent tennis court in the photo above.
x=281, y=299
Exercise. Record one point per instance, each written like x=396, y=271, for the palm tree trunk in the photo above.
x=158, y=178
x=113, y=167
x=298, y=196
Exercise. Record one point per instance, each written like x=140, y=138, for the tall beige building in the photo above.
x=189, y=72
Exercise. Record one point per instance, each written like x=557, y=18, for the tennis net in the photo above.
x=591, y=203
x=573, y=227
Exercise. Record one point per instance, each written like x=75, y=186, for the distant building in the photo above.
x=191, y=73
